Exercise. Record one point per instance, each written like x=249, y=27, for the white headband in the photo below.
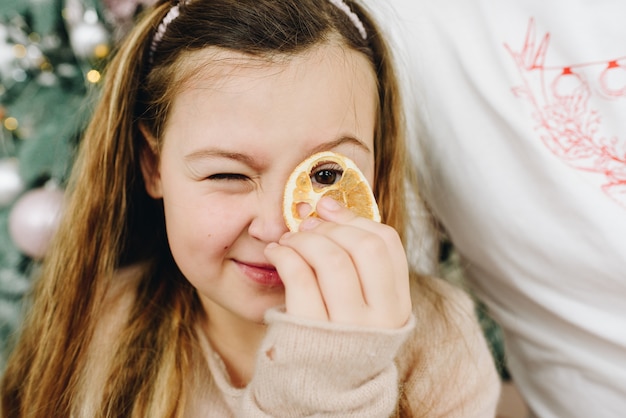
x=341, y=5
x=158, y=35
x=175, y=11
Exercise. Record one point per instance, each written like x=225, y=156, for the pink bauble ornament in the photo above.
x=34, y=219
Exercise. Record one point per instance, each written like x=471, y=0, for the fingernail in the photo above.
x=285, y=236
x=309, y=223
x=271, y=245
x=329, y=203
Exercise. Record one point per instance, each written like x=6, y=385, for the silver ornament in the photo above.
x=11, y=184
x=86, y=36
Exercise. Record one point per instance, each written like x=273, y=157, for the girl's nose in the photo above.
x=268, y=224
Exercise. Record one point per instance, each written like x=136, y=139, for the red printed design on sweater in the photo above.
x=561, y=98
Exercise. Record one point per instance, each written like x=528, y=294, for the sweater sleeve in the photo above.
x=307, y=368
x=446, y=368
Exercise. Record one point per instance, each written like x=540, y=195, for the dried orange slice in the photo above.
x=327, y=174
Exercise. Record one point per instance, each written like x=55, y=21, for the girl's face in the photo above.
x=235, y=132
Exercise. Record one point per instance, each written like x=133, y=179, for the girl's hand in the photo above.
x=345, y=269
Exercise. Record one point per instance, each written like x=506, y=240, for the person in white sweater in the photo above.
x=174, y=287
x=518, y=123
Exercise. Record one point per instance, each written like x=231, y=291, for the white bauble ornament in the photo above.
x=11, y=184
x=34, y=219
x=85, y=37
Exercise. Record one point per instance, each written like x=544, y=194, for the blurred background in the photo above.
x=52, y=53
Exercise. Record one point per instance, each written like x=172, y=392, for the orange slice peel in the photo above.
x=352, y=189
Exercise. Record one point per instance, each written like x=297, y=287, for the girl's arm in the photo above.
x=314, y=368
x=339, y=347
x=437, y=365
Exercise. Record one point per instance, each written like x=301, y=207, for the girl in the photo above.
x=174, y=288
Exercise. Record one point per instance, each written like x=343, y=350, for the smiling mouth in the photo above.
x=261, y=274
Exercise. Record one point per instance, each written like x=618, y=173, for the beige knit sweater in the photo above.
x=439, y=361
x=438, y=365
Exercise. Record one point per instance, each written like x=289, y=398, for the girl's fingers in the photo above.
x=332, y=211
x=337, y=278
x=382, y=275
x=302, y=293
x=378, y=258
x=344, y=268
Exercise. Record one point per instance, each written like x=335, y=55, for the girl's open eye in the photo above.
x=326, y=174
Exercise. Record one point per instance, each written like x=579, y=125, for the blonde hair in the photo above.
x=110, y=221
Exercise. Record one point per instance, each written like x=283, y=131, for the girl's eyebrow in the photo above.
x=217, y=153
x=249, y=161
x=327, y=146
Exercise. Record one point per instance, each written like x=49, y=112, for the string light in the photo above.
x=34, y=37
x=46, y=66
x=11, y=124
x=93, y=76
x=19, y=50
x=101, y=51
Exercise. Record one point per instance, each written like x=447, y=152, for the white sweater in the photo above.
x=523, y=106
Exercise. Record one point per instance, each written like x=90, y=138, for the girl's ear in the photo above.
x=149, y=162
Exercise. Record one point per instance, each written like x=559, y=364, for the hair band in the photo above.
x=174, y=12
x=171, y=15
x=341, y=5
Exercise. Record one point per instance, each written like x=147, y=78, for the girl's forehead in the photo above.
x=243, y=101
x=215, y=67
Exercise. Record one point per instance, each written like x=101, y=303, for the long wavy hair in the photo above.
x=110, y=221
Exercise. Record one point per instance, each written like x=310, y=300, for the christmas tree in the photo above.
x=51, y=56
